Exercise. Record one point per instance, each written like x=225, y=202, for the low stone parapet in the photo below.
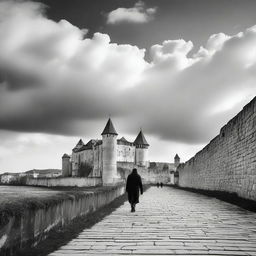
x=25, y=224
x=64, y=182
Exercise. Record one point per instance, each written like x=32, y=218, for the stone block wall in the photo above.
x=159, y=172
x=64, y=182
x=32, y=225
x=228, y=162
x=125, y=153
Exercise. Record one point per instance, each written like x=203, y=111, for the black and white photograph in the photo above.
x=127, y=127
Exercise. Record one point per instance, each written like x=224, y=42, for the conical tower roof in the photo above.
x=140, y=140
x=177, y=156
x=109, y=128
x=80, y=142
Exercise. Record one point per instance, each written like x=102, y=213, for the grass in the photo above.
x=15, y=200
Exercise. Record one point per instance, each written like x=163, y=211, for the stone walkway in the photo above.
x=169, y=222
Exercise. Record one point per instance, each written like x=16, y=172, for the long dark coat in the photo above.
x=134, y=187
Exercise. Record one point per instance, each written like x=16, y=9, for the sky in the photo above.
x=178, y=69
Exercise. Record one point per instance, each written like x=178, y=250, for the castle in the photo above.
x=98, y=158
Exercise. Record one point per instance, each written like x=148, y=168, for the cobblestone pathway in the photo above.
x=169, y=222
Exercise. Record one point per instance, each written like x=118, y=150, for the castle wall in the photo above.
x=158, y=172
x=228, y=162
x=85, y=156
x=74, y=159
x=125, y=153
x=97, y=162
x=103, y=153
x=94, y=157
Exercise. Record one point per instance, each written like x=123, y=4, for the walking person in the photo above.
x=134, y=188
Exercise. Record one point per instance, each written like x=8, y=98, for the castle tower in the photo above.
x=141, y=153
x=65, y=165
x=109, y=154
x=176, y=160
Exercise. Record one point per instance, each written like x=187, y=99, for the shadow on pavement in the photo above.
x=60, y=237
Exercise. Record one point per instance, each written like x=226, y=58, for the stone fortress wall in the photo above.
x=228, y=162
x=156, y=172
x=126, y=153
x=94, y=157
x=107, y=162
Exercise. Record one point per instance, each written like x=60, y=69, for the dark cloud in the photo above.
x=56, y=80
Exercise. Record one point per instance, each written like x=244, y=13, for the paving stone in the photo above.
x=169, y=221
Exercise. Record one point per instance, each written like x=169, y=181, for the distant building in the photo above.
x=45, y=173
x=174, y=177
x=111, y=159
x=9, y=177
x=92, y=158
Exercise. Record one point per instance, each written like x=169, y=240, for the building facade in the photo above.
x=98, y=158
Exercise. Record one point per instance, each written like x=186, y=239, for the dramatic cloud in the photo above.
x=137, y=14
x=54, y=79
x=24, y=151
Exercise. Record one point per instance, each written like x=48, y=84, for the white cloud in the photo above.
x=172, y=52
x=24, y=151
x=55, y=80
x=137, y=14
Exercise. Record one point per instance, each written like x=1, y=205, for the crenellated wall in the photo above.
x=228, y=162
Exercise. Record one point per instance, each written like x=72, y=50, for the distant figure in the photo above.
x=157, y=184
x=134, y=188
x=161, y=184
